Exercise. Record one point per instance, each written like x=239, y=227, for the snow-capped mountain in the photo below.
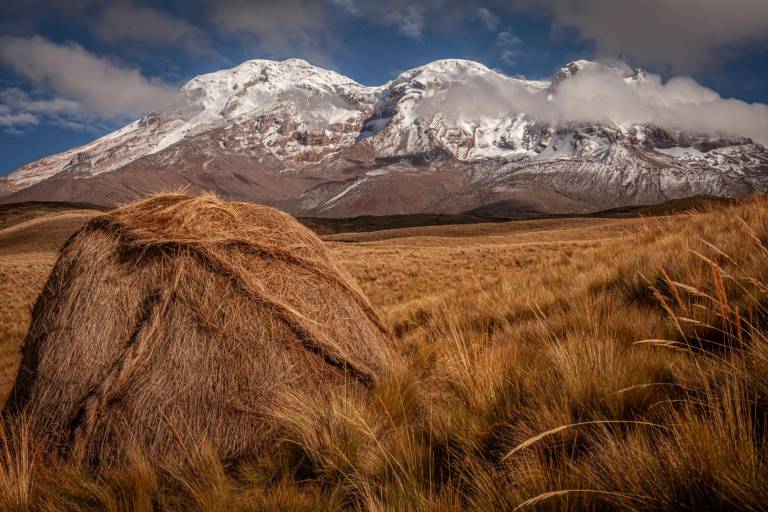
x=449, y=136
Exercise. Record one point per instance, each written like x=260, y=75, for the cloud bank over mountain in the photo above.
x=604, y=94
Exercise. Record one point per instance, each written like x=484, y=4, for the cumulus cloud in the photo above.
x=687, y=35
x=145, y=25
x=603, y=95
x=99, y=86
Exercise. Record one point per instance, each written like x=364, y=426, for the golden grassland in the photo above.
x=28, y=250
x=576, y=364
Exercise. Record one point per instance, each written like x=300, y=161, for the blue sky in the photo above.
x=72, y=70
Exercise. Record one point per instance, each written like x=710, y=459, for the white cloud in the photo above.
x=20, y=110
x=604, y=96
x=679, y=104
x=98, y=85
x=508, y=46
x=16, y=120
x=280, y=28
x=348, y=5
x=16, y=99
x=487, y=18
x=409, y=18
x=128, y=22
x=688, y=35
x=308, y=28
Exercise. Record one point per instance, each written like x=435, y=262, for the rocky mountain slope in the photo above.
x=441, y=138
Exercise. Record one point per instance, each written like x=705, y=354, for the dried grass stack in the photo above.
x=175, y=319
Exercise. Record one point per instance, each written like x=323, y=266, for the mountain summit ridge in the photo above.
x=442, y=138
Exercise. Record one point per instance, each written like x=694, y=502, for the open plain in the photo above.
x=557, y=364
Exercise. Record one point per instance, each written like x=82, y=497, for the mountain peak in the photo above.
x=448, y=67
x=264, y=117
x=297, y=62
x=440, y=71
x=455, y=64
x=577, y=66
x=280, y=74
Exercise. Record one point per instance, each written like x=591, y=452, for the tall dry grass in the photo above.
x=625, y=375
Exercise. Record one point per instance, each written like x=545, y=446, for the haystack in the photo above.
x=176, y=319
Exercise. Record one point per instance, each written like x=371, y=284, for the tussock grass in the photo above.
x=625, y=373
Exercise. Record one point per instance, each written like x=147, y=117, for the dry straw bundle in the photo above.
x=175, y=319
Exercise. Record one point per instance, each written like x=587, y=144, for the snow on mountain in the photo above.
x=401, y=123
x=311, y=97
x=314, y=141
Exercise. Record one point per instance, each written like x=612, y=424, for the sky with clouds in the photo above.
x=72, y=70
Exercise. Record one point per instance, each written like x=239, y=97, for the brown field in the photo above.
x=568, y=364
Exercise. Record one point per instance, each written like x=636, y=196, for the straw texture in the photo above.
x=176, y=319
